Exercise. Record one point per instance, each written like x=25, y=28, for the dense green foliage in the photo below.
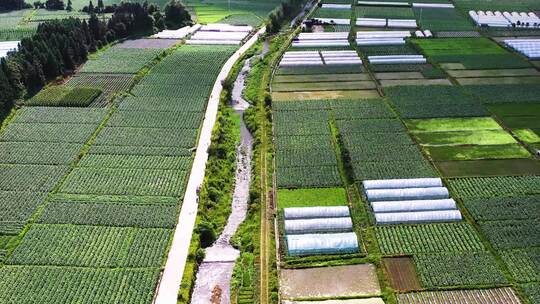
x=431, y=238
x=504, y=208
x=64, y=97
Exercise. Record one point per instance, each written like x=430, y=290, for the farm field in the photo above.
x=461, y=108
x=92, y=191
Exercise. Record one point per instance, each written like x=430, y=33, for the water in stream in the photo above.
x=212, y=284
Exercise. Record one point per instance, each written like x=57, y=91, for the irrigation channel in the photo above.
x=213, y=280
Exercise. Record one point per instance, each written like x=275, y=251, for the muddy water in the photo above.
x=212, y=284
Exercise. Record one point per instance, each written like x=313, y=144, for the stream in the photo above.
x=212, y=284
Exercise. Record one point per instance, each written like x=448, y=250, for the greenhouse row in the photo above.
x=381, y=38
x=220, y=34
x=321, y=39
x=397, y=59
x=315, y=58
x=419, y=200
x=390, y=23
x=319, y=230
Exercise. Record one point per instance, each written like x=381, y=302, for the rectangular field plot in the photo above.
x=311, y=142
x=305, y=158
x=524, y=264
x=16, y=208
x=320, y=78
x=38, y=153
x=51, y=285
x=434, y=101
x=355, y=280
x=458, y=269
x=124, y=214
x=495, y=186
x=324, y=95
x=318, y=70
x=478, y=137
x=302, y=177
x=30, y=177
x=60, y=115
x=432, y=238
x=109, y=84
x=452, y=124
x=473, y=152
x=504, y=295
x=48, y=132
x=401, y=273
x=493, y=73
x=164, y=104
x=140, y=150
x=180, y=163
x=144, y=43
x=495, y=94
x=382, y=152
x=499, y=80
x=116, y=60
x=310, y=197
x=492, y=167
x=155, y=119
x=512, y=234
x=93, y=246
x=532, y=291
x=161, y=137
x=109, y=181
x=323, y=86
x=392, y=169
x=302, y=129
x=504, y=208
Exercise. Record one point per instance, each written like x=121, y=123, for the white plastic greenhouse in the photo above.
x=328, y=243
x=433, y=5
x=375, y=195
x=418, y=217
x=383, y=3
x=402, y=23
x=337, y=6
x=528, y=47
x=315, y=212
x=416, y=205
x=217, y=33
x=505, y=19
x=318, y=225
x=371, y=22
x=402, y=183
x=179, y=33
x=8, y=46
x=397, y=59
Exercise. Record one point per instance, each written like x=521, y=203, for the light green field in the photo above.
x=446, y=153
x=311, y=197
x=479, y=137
x=452, y=124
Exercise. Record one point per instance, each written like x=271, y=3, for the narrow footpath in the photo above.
x=215, y=272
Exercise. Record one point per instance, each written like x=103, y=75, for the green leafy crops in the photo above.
x=311, y=197
x=61, y=96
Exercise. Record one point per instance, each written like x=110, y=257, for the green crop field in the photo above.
x=311, y=197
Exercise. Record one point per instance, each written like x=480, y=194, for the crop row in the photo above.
x=160, y=104
x=123, y=214
x=95, y=246
x=305, y=158
x=302, y=129
x=392, y=169
x=382, y=152
x=108, y=181
x=305, y=177
x=140, y=150
x=431, y=238
x=49, y=285
x=370, y=126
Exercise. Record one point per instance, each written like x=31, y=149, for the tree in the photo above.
x=69, y=7
x=176, y=15
x=159, y=21
x=100, y=6
x=90, y=8
x=54, y=4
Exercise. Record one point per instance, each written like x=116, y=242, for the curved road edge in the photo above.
x=169, y=285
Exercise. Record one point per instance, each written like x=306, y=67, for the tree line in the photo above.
x=11, y=5
x=284, y=12
x=59, y=46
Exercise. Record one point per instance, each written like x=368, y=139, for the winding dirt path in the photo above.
x=215, y=272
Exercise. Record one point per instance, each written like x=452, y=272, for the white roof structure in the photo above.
x=316, y=58
x=378, y=3
x=418, y=217
x=407, y=194
x=218, y=33
x=321, y=39
x=383, y=22
x=411, y=206
x=177, y=34
x=337, y=21
x=8, y=46
x=380, y=38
